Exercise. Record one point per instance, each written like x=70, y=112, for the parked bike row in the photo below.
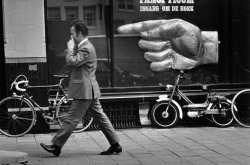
x=18, y=112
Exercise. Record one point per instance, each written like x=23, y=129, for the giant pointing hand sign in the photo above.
x=174, y=43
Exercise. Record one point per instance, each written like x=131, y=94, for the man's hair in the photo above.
x=80, y=26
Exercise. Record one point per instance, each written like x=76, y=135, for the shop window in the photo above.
x=54, y=13
x=58, y=33
x=117, y=23
x=121, y=4
x=130, y=4
x=71, y=13
x=126, y=5
x=89, y=16
x=70, y=0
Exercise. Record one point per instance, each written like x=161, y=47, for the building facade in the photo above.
x=35, y=34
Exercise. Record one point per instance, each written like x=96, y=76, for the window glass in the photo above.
x=54, y=13
x=230, y=19
x=89, y=15
x=121, y=4
x=240, y=34
x=71, y=13
x=60, y=14
x=130, y=4
x=117, y=23
x=70, y=0
x=126, y=5
x=133, y=69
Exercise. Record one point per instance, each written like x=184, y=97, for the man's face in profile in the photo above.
x=74, y=35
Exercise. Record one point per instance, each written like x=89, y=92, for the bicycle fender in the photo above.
x=166, y=98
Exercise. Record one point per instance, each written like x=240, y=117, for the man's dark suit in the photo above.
x=84, y=90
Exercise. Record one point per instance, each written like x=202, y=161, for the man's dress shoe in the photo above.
x=112, y=149
x=56, y=150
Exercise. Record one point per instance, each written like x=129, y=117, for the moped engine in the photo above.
x=192, y=114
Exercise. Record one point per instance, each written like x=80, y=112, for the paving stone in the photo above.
x=142, y=146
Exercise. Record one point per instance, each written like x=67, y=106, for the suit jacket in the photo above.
x=82, y=63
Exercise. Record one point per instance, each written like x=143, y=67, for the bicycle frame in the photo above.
x=170, y=99
x=35, y=104
x=178, y=92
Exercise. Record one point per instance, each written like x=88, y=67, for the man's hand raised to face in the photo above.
x=174, y=43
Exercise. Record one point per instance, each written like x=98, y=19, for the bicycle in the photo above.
x=241, y=100
x=18, y=112
x=167, y=111
x=242, y=113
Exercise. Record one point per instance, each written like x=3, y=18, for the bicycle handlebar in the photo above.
x=25, y=81
x=16, y=84
x=181, y=73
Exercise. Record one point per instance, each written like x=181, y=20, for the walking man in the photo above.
x=84, y=90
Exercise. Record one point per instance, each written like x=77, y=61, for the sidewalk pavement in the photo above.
x=142, y=146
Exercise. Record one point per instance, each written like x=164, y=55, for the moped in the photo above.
x=167, y=111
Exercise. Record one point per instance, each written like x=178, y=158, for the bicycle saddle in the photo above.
x=60, y=75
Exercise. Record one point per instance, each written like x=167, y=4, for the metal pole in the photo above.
x=230, y=41
x=3, y=91
x=111, y=36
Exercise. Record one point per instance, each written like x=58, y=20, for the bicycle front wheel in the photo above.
x=17, y=116
x=164, y=119
x=241, y=114
x=62, y=111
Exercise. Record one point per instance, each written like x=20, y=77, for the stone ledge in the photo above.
x=13, y=157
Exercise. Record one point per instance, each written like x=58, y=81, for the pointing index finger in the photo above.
x=135, y=28
x=153, y=45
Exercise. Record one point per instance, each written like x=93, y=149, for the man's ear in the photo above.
x=80, y=33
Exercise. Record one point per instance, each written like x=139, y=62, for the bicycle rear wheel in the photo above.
x=17, y=116
x=241, y=114
x=225, y=118
x=62, y=111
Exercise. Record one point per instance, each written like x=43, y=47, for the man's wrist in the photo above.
x=211, y=45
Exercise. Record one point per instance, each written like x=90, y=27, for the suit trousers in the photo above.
x=77, y=111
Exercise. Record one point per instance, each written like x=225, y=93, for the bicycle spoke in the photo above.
x=16, y=116
x=9, y=126
x=61, y=116
x=24, y=118
x=225, y=117
x=22, y=124
x=164, y=119
x=4, y=109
